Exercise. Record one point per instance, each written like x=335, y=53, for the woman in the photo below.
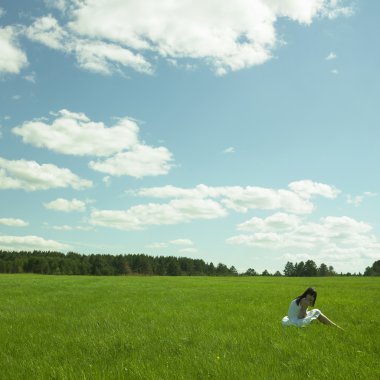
x=298, y=314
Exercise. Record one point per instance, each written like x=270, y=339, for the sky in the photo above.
x=245, y=133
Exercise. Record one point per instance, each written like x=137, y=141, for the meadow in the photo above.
x=132, y=327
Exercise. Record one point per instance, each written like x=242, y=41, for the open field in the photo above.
x=61, y=327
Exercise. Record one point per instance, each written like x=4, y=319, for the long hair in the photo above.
x=310, y=291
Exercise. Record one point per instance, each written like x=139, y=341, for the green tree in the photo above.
x=331, y=271
x=299, y=268
x=289, y=269
x=222, y=270
x=374, y=270
x=173, y=268
x=310, y=269
x=250, y=272
x=323, y=270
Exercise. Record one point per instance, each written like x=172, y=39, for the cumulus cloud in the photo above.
x=105, y=35
x=30, y=243
x=157, y=245
x=57, y=4
x=241, y=199
x=140, y=161
x=66, y=205
x=13, y=222
x=333, y=237
x=307, y=188
x=12, y=58
x=30, y=77
x=370, y=194
x=65, y=227
x=181, y=242
x=93, y=55
x=336, y=8
x=188, y=250
x=47, y=31
x=278, y=221
x=174, y=212
x=331, y=56
x=31, y=176
x=229, y=150
x=204, y=202
x=105, y=58
x=357, y=200
x=176, y=242
x=75, y=134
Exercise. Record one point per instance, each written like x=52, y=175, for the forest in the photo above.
x=71, y=263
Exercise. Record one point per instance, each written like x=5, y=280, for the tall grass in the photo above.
x=61, y=327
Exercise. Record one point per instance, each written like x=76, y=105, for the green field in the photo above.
x=71, y=327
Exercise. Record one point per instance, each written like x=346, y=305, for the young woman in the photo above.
x=298, y=315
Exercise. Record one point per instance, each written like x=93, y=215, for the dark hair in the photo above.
x=310, y=291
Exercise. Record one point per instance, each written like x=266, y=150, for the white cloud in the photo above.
x=334, y=71
x=47, y=31
x=357, y=200
x=278, y=221
x=31, y=176
x=97, y=56
x=157, y=245
x=204, y=202
x=241, y=199
x=340, y=238
x=176, y=242
x=181, y=242
x=334, y=9
x=226, y=36
x=66, y=205
x=107, y=180
x=30, y=77
x=105, y=58
x=370, y=194
x=65, y=227
x=57, y=4
x=140, y=161
x=307, y=188
x=331, y=56
x=231, y=149
x=30, y=243
x=74, y=133
x=174, y=212
x=188, y=250
x=12, y=58
x=2, y=12
x=13, y=222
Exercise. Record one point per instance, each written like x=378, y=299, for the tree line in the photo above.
x=50, y=262
x=310, y=269
x=108, y=265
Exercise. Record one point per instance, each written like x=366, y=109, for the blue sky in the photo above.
x=244, y=134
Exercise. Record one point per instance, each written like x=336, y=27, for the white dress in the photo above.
x=292, y=318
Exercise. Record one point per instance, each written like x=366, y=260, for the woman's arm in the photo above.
x=304, y=305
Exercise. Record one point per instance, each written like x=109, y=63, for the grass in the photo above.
x=69, y=327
